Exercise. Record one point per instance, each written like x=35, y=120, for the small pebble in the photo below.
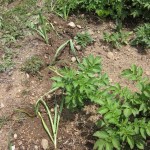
x=55, y=23
x=13, y=147
x=44, y=144
x=52, y=109
x=71, y=25
x=73, y=59
x=148, y=73
x=27, y=75
x=78, y=26
x=48, y=96
x=15, y=136
x=2, y=105
x=36, y=147
x=110, y=55
x=78, y=47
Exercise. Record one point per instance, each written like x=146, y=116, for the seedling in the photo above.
x=83, y=39
x=117, y=39
x=54, y=122
x=42, y=29
x=60, y=49
x=142, y=36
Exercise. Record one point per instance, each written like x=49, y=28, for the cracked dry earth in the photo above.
x=19, y=90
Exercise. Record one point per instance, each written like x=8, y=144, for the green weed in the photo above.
x=64, y=7
x=83, y=39
x=32, y=65
x=13, y=20
x=142, y=36
x=42, y=29
x=116, y=39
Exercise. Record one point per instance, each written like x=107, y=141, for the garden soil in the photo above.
x=20, y=91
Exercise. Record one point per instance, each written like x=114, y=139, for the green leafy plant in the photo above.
x=142, y=36
x=83, y=39
x=64, y=7
x=32, y=65
x=125, y=115
x=13, y=20
x=118, y=10
x=140, y=8
x=42, y=28
x=81, y=84
x=116, y=39
x=54, y=122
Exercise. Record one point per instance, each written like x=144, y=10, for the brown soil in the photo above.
x=21, y=91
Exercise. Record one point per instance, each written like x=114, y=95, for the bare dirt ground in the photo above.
x=21, y=91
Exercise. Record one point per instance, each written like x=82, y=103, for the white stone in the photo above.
x=73, y=59
x=44, y=144
x=36, y=147
x=78, y=26
x=148, y=73
x=27, y=75
x=49, y=96
x=110, y=55
x=2, y=105
x=13, y=147
x=52, y=109
x=71, y=24
x=15, y=136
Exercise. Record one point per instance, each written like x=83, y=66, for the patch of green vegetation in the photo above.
x=142, y=36
x=13, y=21
x=83, y=39
x=42, y=29
x=33, y=65
x=124, y=114
x=6, y=60
x=116, y=39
